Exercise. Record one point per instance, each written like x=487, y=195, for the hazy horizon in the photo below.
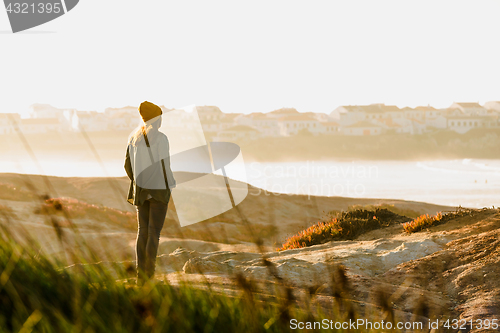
x=256, y=57
x=25, y=113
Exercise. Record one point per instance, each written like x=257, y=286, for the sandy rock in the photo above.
x=222, y=256
x=168, y=245
x=122, y=269
x=174, y=261
x=296, y=272
x=201, y=265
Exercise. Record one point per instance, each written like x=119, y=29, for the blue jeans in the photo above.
x=151, y=216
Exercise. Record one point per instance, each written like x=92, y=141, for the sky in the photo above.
x=254, y=56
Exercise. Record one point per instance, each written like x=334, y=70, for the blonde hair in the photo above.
x=141, y=131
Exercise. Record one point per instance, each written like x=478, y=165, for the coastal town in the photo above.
x=351, y=120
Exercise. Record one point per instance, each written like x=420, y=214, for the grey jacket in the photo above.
x=144, y=167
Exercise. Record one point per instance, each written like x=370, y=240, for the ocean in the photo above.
x=466, y=182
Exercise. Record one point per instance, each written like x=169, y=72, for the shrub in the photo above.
x=346, y=225
x=425, y=221
x=401, y=211
x=76, y=209
x=422, y=222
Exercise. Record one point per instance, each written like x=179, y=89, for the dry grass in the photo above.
x=11, y=192
x=7, y=212
x=422, y=222
x=400, y=211
x=425, y=221
x=342, y=226
x=76, y=209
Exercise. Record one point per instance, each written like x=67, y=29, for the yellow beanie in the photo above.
x=149, y=111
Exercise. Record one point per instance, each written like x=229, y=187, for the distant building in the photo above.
x=182, y=120
x=462, y=117
x=268, y=126
x=439, y=122
x=321, y=117
x=210, y=125
x=429, y=112
x=6, y=123
x=113, y=112
x=417, y=113
x=363, y=128
x=89, y=121
x=292, y=125
x=330, y=127
x=231, y=117
x=464, y=123
x=124, y=121
x=41, y=125
x=469, y=109
x=283, y=112
x=493, y=106
x=209, y=113
x=352, y=114
x=45, y=111
x=397, y=125
x=237, y=133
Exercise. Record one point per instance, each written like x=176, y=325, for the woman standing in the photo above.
x=147, y=164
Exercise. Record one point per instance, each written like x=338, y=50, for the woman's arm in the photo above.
x=128, y=165
x=168, y=171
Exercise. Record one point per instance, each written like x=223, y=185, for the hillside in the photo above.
x=273, y=216
x=447, y=271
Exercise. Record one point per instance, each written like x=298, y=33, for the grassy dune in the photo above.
x=36, y=295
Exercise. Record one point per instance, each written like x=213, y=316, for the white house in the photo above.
x=112, y=112
x=402, y=125
x=348, y=114
x=493, y=106
x=292, y=125
x=330, y=127
x=40, y=125
x=180, y=119
x=209, y=113
x=283, y=112
x=124, y=121
x=429, y=112
x=319, y=116
x=212, y=126
x=353, y=114
x=464, y=123
x=470, y=109
x=395, y=125
x=393, y=112
x=89, y=121
x=8, y=122
x=247, y=119
x=417, y=113
x=363, y=128
x=439, y=122
x=45, y=111
x=237, y=133
x=268, y=126
x=231, y=118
